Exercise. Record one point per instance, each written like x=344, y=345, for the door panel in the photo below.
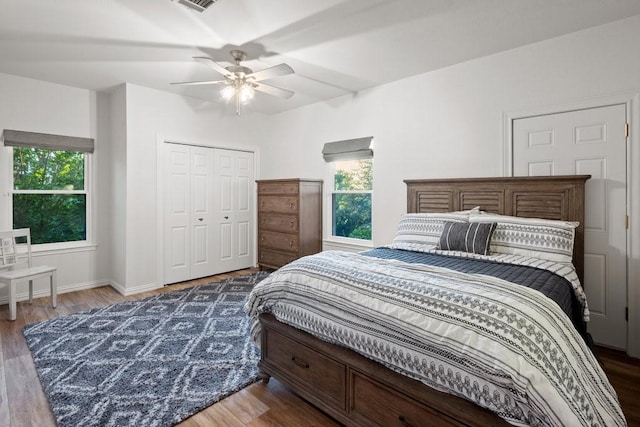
x=201, y=193
x=234, y=218
x=176, y=236
x=592, y=142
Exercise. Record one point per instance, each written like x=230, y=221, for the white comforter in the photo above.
x=503, y=346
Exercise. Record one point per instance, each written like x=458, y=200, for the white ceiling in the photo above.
x=336, y=47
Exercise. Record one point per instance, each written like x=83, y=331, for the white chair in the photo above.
x=15, y=266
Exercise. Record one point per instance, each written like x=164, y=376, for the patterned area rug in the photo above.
x=149, y=362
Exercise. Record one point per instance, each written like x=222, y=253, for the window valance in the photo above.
x=18, y=138
x=349, y=149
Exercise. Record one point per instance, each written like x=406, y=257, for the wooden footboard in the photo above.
x=355, y=390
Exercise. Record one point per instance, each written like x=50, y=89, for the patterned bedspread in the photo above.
x=503, y=346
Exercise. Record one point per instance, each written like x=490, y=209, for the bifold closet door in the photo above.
x=233, y=209
x=188, y=199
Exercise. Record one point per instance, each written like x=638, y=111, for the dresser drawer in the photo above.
x=279, y=204
x=305, y=366
x=274, y=259
x=283, y=223
x=285, y=242
x=373, y=401
x=278, y=188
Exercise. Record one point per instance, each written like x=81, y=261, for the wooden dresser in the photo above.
x=289, y=220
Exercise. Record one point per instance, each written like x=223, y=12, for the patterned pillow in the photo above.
x=469, y=237
x=533, y=237
x=421, y=231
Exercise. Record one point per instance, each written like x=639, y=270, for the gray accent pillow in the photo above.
x=467, y=237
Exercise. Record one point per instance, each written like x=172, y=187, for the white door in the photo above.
x=590, y=142
x=233, y=209
x=201, y=193
x=188, y=195
x=177, y=238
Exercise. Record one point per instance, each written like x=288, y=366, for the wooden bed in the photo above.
x=357, y=391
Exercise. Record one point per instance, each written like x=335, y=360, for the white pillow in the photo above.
x=533, y=237
x=421, y=231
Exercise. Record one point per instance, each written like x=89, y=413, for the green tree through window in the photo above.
x=49, y=194
x=351, y=199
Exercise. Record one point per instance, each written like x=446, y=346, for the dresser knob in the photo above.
x=291, y=244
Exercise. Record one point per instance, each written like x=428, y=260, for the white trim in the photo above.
x=631, y=99
x=347, y=246
x=47, y=249
x=90, y=183
x=45, y=292
x=135, y=289
x=327, y=213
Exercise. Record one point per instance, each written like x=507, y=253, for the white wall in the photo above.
x=153, y=115
x=37, y=106
x=117, y=174
x=448, y=123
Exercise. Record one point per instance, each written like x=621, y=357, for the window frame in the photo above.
x=6, y=220
x=329, y=192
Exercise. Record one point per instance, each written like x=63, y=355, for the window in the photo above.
x=47, y=184
x=351, y=190
x=49, y=194
x=351, y=198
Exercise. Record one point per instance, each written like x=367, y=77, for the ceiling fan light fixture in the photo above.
x=246, y=93
x=227, y=92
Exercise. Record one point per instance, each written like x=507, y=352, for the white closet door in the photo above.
x=177, y=213
x=188, y=234
x=234, y=174
x=201, y=193
x=593, y=142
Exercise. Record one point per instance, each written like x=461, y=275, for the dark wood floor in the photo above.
x=23, y=403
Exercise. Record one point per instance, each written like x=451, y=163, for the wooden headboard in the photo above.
x=549, y=197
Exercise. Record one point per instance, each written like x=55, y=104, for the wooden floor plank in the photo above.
x=258, y=405
x=5, y=418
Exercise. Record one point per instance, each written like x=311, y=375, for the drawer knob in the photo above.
x=299, y=362
x=291, y=243
x=291, y=224
x=291, y=205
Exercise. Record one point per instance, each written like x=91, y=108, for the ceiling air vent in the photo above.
x=199, y=5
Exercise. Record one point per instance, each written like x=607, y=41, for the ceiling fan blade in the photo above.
x=216, y=67
x=272, y=90
x=271, y=72
x=205, y=82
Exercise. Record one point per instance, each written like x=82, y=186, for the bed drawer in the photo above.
x=274, y=222
x=281, y=241
x=304, y=366
x=375, y=404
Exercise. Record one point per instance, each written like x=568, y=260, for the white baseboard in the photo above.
x=41, y=293
x=135, y=289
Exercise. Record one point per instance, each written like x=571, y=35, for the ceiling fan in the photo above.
x=242, y=82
